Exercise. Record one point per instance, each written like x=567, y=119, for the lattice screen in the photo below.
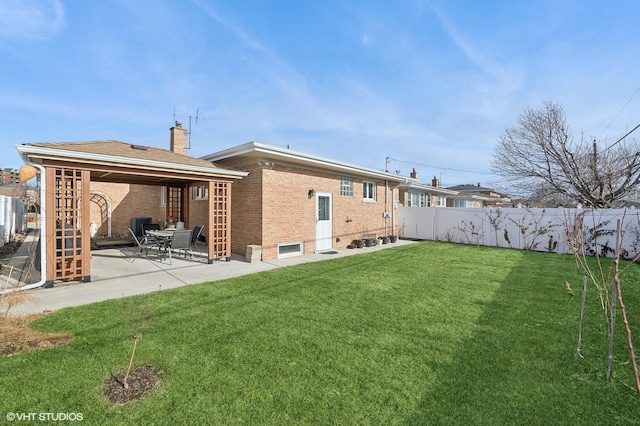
x=221, y=211
x=175, y=202
x=67, y=188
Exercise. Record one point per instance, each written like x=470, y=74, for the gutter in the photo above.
x=298, y=157
x=54, y=153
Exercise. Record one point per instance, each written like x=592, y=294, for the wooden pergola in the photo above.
x=68, y=168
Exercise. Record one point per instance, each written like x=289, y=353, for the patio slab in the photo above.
x=115, y=274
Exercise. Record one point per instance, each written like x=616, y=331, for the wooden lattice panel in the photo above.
x=175, y=202
x=65, y=218
x=220, y=216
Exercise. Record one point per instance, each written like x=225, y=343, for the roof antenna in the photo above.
x=196, y=117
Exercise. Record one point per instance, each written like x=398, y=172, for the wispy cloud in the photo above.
x=31, y=19
x=504, y=75
x=294, y=97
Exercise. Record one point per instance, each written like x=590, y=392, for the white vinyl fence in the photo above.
x=12, y=217
x=524, y=228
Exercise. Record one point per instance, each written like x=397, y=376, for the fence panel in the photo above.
x=12, y=213
x=524, y=228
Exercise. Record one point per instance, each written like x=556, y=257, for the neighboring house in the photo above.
x=415, y=194
x=472, y=195
x=111, y=182
x=292, y=203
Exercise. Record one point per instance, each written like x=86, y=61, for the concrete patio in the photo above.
x=115, y=274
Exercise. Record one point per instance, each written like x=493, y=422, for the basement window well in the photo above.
x=290, y=249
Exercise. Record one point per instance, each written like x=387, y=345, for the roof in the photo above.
x=471, y=188
x=112, y=153
x=258, y=151
x=428, y=188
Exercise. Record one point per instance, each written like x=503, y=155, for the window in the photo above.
x=459, y=203
x=289, y=249
x=346, y=186
x=416, y=199
x=442, y=201
x=368, y=191
x=199, y=192
x=428, y=200
x=163, y=196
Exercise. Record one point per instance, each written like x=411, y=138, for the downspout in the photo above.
x=386, y=206
x=43, y=232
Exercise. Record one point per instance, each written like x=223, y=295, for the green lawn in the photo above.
x=430, y=333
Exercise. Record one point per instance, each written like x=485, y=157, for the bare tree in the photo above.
x=538, y=152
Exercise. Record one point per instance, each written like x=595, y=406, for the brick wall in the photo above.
x=246, y=210
x=127, y=201
x=286, y=214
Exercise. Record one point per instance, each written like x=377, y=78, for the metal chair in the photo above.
x=181, y=241
x=196, y=235
x=150, y=227
x=143, y=244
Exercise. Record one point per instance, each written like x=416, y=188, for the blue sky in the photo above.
x=430, y=84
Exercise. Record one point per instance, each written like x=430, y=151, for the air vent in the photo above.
x=140, y=147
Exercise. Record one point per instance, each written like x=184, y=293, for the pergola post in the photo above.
x=219, y=234
x=68, y=210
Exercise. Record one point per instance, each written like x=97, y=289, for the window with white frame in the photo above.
x=459, y=203
x=428, y=199
x=368, y=191
x=442, y=201
x=200, y=192
x=290, y=249
x=416, y=199
x=346, y=186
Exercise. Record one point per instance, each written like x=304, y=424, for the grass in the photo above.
x=431, y=333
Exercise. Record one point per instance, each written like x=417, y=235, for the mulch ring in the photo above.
x=141, y=381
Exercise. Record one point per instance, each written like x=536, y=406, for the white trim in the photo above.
x=26, y=150
x=292, y=254
x=428, y=188
x=374, y=196
x=307, y=159
x=324, y=228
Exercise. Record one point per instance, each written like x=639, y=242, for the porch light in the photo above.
x=311, y=193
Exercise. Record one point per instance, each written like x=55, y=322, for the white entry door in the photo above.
x=324, y=238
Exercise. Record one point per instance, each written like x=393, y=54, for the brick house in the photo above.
x=292, y=203
x=480, y=196
x=415, y=194
x=109, y=182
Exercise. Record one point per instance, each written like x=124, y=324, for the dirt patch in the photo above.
x=141, y=381
x=16, y=336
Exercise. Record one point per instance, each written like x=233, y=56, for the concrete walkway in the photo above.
x=115, y=274
x=20, y=270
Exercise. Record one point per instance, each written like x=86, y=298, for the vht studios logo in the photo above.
x=53, y=417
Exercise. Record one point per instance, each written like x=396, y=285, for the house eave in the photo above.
x=428, y=188
x=295, y=157
x=30, y=152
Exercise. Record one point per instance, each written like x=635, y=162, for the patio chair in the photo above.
x=181, y=241
x=150, y=227
x=196, y=235
x=142, y=244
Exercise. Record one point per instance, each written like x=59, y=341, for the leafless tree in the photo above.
x=539, y=152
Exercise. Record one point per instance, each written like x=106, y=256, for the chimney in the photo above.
x=179, y=139
x=435, y=182
x=414, y=174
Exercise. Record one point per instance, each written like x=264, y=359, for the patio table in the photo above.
x=164, y=235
